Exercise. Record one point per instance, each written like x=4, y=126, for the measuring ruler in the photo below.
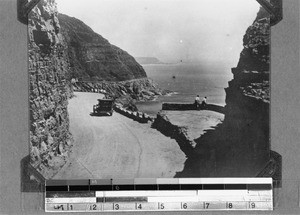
x=162, y=194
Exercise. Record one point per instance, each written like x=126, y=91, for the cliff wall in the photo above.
x=240, y=146
x=248, y=94
x=50, y=140
x=93, y=58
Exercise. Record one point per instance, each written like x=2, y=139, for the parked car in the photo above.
x=104, y=106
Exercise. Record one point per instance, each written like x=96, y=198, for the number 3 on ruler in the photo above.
x=116, y=206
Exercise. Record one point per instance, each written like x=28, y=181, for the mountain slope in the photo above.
x=93, y=58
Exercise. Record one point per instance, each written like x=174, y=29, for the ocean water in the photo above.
x=187, y=81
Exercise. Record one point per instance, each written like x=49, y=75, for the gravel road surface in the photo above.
x=116, y=146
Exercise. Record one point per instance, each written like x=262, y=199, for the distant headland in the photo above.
x=148, y=60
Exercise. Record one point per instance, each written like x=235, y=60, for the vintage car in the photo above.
x=104, y=106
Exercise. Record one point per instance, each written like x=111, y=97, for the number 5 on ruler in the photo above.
x=161, y=206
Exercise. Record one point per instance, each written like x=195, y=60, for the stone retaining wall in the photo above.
x=162, y=124
x=188, y=106
x=136, y=116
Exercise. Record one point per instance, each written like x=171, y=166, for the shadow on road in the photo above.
x=99, y=114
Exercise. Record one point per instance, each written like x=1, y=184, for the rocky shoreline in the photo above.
x=126, y=93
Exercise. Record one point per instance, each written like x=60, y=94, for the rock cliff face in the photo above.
x=240, y=145
x=62, y=49
x=93, y=58
x=248, y=95
x=50, y=140
x=142, y=89
x=125, y=92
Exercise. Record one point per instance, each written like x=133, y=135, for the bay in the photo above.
x=186, y=80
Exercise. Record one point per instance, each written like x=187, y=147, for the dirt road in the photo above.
x=116, y=147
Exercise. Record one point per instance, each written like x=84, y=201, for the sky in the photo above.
x=170, y=30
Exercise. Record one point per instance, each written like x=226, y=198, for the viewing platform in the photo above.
x=192, y=106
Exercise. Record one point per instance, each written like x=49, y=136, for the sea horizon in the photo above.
x=186, y=81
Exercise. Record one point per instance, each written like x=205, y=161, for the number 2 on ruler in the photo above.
x=93, y=207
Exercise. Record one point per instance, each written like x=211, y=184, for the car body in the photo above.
x=104, y=106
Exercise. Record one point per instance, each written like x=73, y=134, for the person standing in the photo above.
x=197, y=102
x=204, y=102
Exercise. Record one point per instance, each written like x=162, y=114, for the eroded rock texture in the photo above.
x=240, y=146
x=93, y=58
x=248, y=94
x=50, y=140
x=143, y=89
x=125, y=92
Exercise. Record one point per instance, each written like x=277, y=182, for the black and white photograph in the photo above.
x=149, y=105
x=150, y=89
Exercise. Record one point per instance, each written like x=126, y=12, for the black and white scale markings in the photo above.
x=169, y=194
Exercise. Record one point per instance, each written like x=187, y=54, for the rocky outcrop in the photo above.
x=125, y=92
x=50, y=140
x=65, y=54
x=140, y=89
x=95, y=64
x=248, y=94
x=93, y=58
x=240, y=146
x=179, y=133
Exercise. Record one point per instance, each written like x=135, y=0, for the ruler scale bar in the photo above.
x=160, y=181
x=122, y=199
x=161, y=187
x=147, y=193
x=194, y=194
x=53, y=194
x=157, y=206
x=173, y=199
x=71, y=200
